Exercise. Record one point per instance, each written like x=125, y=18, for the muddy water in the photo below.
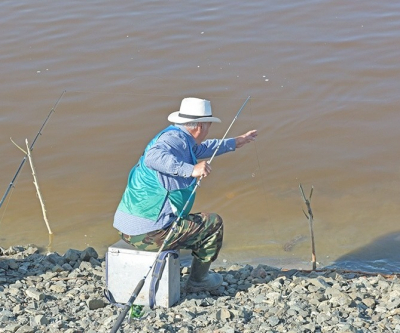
x=324, y=83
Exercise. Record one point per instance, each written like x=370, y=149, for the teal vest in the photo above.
x=144, y=196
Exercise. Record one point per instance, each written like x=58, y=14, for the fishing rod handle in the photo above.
x=128, y=305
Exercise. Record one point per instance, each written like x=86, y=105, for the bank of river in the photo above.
x=64, y=293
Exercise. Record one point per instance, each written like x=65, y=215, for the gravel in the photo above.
x=64, y=293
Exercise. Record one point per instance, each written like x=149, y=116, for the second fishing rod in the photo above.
x=141, y=283
x=11, y=185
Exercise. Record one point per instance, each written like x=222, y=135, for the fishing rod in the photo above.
x=140, y=285
x=30, y=149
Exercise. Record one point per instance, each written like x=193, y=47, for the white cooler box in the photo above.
x=127, y=266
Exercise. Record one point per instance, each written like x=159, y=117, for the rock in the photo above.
x=369, y=302
x=94, y=262
x=12, y=264
x=35, y=294
x=12, y=250
x=67, y=267
x=273, y=321
x=94, y=304
x=31, y=250
x=12, y=328
x=320, y=283
x=85, y=266
x=57, y=268
x=223, y=314
x=72, y=255
x=25, y=329
x=393, y=304
x=55, y=259
x=41, y=320
x=260, y=299
x=259, y=272
x=89, y=253
x=58, y=287
x=4, y=265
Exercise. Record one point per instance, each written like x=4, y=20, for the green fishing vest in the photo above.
x=144, y=196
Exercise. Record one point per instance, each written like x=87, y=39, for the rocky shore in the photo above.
x=64, y=293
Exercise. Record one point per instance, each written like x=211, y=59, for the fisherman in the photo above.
x=161, y=183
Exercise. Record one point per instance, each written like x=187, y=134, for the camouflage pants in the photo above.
x=201, y=232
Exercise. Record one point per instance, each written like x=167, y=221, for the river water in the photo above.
x=324, y=81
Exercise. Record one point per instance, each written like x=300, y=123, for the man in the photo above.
x=161, y=183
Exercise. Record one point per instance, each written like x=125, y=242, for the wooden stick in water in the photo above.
x=37, y=188
x=28, y=153
x=310, y=217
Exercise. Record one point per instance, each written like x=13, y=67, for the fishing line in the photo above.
x=261, y=172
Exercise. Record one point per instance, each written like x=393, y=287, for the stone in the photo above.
x=58, y=288
x=35, y=294
x=57, y=268
x=67, y=267
x=273, y=321
x=94, y=262
x=12, y=264
x=72, y=255
x=41, y=320
x=12, y=327
x=223, y=314
x=72, y=301
x=85, y=265
x=55, y=259
x=89, y=253
x=25, y=329
x=94, y=304
x=369, y=302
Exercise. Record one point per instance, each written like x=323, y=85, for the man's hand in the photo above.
x=241, y=140
x=201, y=169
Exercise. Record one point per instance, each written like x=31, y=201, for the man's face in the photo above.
x=203, y=131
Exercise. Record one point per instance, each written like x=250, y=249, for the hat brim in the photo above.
x=174, y=117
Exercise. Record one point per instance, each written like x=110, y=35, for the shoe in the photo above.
x=200, y=279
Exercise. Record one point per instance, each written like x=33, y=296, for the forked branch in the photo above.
x=310, y=218
x=28, y=153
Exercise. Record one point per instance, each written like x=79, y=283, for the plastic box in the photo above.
x=127, y=266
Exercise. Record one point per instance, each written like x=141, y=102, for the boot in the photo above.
x=200, y=279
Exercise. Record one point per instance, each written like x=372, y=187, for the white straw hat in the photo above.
x=193, y=110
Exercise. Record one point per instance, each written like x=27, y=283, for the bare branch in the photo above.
x=37, y=188
x=310, y=217
x=18, y=147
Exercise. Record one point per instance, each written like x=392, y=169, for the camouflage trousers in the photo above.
x=201, y=232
